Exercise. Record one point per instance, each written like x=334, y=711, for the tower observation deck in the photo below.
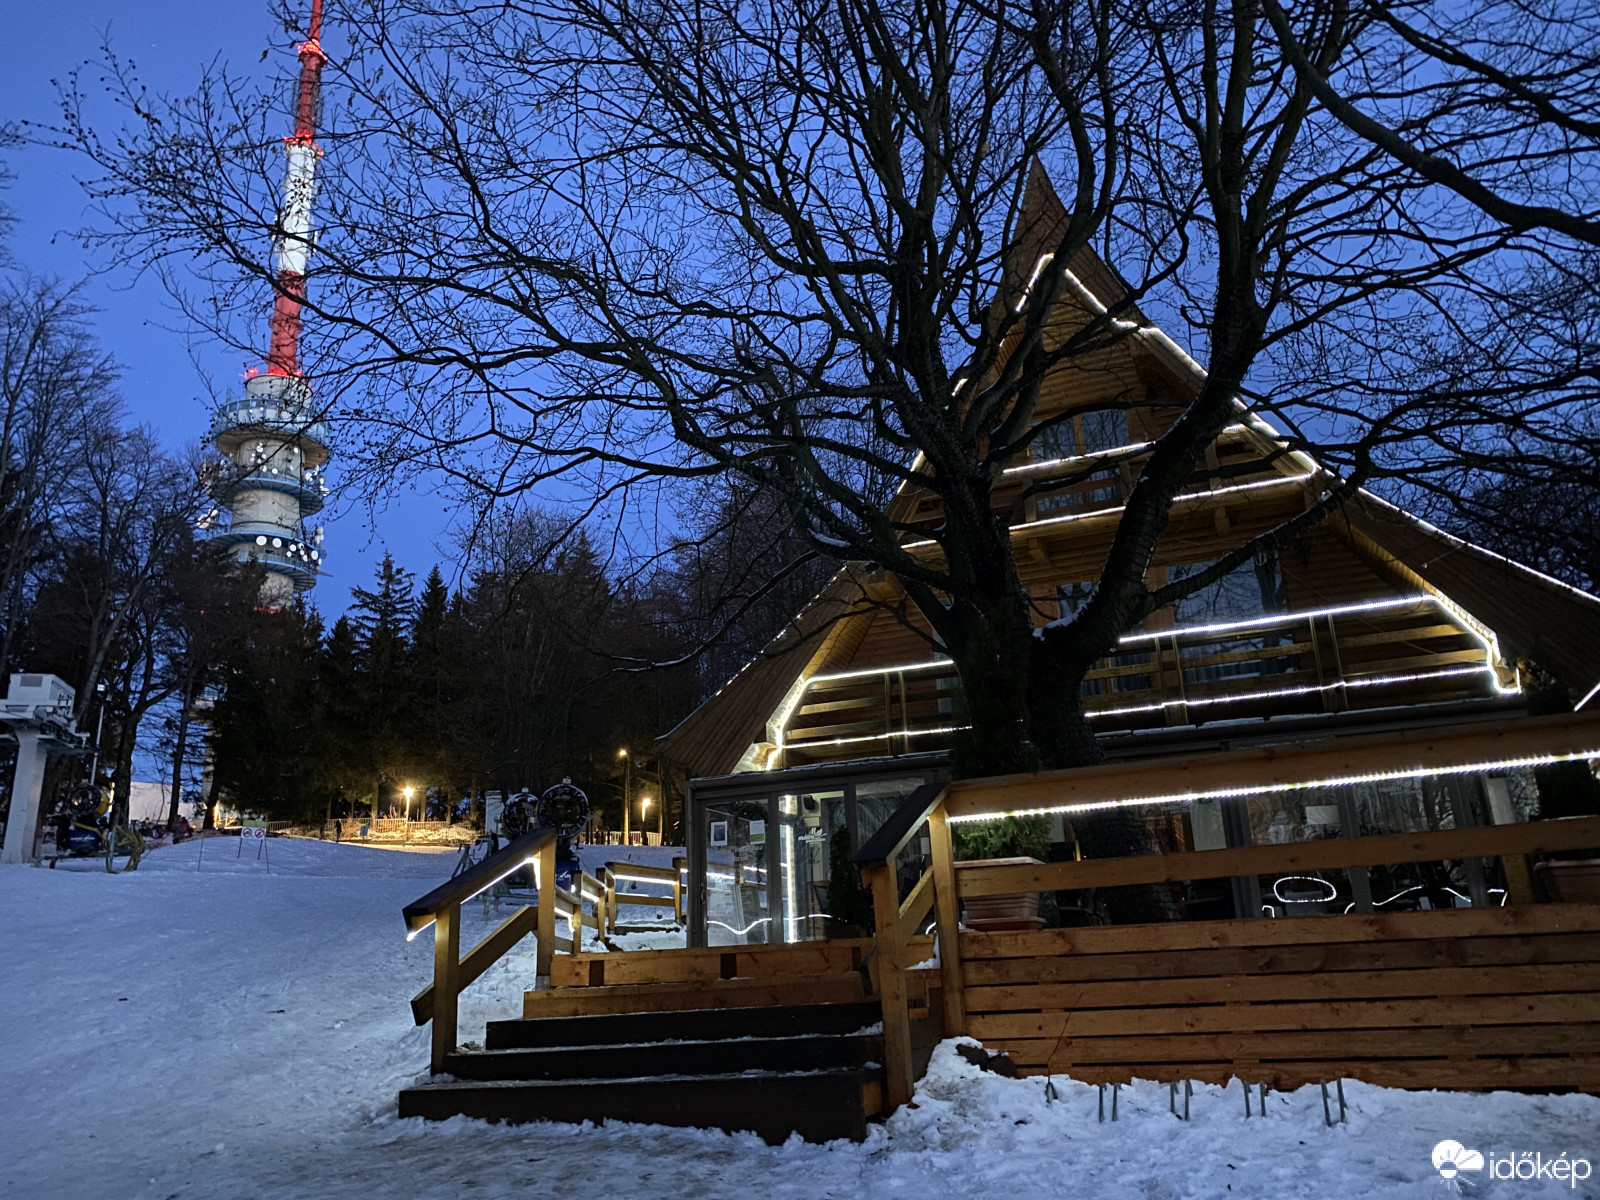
x=275, y=438
x=277, y=447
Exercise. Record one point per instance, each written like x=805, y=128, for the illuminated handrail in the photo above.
x=441, y=908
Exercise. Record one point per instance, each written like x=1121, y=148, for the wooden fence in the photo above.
x=1464, y=998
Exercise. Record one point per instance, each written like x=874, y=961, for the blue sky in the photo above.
x=164, y=384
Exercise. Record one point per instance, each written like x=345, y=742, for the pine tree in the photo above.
x=381, y=620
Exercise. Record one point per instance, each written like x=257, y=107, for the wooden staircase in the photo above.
x=812, y=1069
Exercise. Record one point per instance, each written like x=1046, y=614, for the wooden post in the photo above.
x=946, y=910
x=891, y=985
x=1519, y=882
x=446, y=970
x=546, y=935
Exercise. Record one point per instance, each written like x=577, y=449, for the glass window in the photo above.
x=1252, y=588
x=736, y=872
x=1104, y=430
x=806, y=825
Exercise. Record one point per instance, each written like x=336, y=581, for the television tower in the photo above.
x=273, y=437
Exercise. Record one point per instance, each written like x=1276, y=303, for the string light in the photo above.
x=1186, y=498
x=1194, y=702
x=1267, y=789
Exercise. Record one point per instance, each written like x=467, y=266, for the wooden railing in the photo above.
x=441, y=908
x=671, y=877
x=897, y=922
x=941, y=888
x=1311, y=662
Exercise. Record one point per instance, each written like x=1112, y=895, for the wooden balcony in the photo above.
x=1382, y=653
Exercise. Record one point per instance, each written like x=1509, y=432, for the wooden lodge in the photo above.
x=1331, y=749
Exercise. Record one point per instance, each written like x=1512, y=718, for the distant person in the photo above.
x=338, y=828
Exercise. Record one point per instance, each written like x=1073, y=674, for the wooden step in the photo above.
x=821, y=1106
x=810, y=1052
x=676, y=997
x=693, y=1025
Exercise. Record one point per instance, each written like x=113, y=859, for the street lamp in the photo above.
x=627, y=792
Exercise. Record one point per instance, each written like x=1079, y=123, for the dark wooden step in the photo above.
x=821, y=1106
x=811, y=1052
x=617, y=1029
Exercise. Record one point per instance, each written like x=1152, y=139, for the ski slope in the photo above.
x=210, y=1030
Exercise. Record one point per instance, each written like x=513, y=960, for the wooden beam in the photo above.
x=1288, y=764
x=1572, y=833
x=897, y=1068
x=947, y=916
x=446, y=988
x=546, y=925
x=914, y=909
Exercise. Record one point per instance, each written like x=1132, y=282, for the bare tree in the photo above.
x=606, y=248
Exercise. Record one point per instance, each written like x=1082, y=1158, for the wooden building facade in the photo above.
x=1373, y=621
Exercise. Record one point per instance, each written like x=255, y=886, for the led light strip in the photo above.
x=1304, y=690
x=530, y=861
x=865, y=671
x=1197, y=702
x=1532, y=760
x=1593, y=692
x=1116, y=452
x=1288, y=618
x=1186, y=498
x=648, y=879
x=1089, y=459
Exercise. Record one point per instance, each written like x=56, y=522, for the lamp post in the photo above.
x=627, y=792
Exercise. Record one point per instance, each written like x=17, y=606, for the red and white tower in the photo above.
x=273, y=435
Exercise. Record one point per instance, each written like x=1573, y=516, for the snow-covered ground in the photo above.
x=212, y=1032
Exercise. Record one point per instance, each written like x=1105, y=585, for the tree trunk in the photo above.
x=186, y=702
x=1062, y=732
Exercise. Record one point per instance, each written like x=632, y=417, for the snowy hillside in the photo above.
x=223, y=1033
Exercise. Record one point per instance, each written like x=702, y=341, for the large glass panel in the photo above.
x=876, y=800
x=736, y=843
x=806, y=825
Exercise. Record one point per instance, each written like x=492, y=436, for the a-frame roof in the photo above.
x=1534, y=616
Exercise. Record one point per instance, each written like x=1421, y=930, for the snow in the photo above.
x=225, y=1033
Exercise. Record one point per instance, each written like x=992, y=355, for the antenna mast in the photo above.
x=294, y=217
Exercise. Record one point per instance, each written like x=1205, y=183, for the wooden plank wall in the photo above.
x=1465, y=999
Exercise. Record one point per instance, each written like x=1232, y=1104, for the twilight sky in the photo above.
x=165, y=386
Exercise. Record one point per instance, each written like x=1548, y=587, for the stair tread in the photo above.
x=689, y=1024
x=445, y=1084
x=875, y=1034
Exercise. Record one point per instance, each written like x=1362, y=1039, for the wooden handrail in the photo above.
x=420, y=913
x=481, y=957
x=441, y=908
x=643, y=873
x=884, y=846
x=1489, y=841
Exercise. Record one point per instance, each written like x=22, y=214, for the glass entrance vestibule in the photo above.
x=760, y=844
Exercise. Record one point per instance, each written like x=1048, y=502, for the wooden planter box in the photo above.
x=989, y=913
x=1572, y=880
